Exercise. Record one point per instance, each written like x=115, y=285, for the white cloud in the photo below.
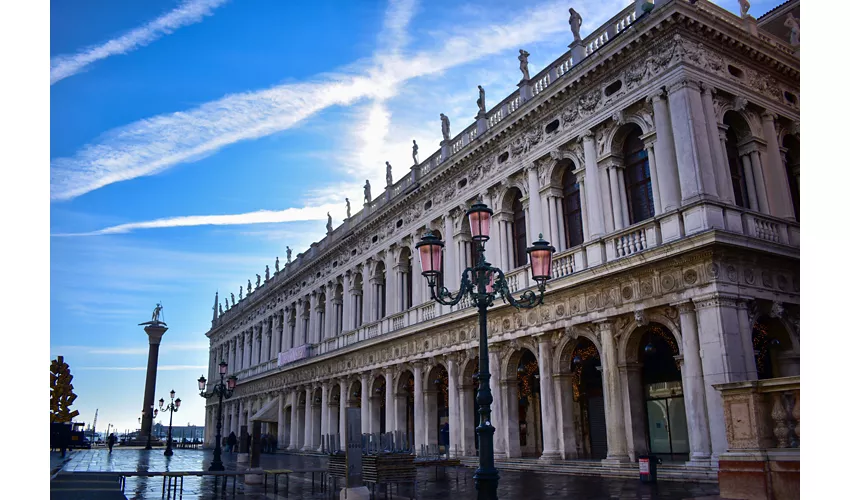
x=189, y=12
x=155, y=144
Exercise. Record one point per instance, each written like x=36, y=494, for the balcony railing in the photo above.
x=632, y=240
x=762, y=414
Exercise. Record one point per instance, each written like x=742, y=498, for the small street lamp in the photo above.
x=222, y=390
x=173, y=406
x=484, y=283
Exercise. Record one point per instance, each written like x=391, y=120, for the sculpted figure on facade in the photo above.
x=288, y=255
x=226, y=304
x=258, y=281
x=233, y=299
x=267, y=272
x=415, y=153
x=575, y=25
x=745, y=8
x=367, y=192
x=445, y=125
x=329, y=226
x=277, y=262
x=220, y=310
x=523, y=64
x=240, y=293
x=389, y=174
x=794, y=25
x=347, y=209
x=249, y=287
x=482, y=109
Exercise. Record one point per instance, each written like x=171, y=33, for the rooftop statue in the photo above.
x=240, y=293
x=745, y=8
x=233, y=299
x=575, y=24
x=794, y=24
x=347, y=209
x=267, y=272
x=446, y=127
x=226, y=304
x=523, y=64
x=258, y=281
x=155, y=316
x=288, y=254
x=389, y=174
x=415, y=153
x=367, y=192
x=220, y=310
x=249, y=287
x=276, y=265
x=329, y=225
x=482, y=109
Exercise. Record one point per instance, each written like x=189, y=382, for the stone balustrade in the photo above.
x=633, y=240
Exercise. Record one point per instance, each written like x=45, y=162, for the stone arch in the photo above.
x=376, y=381
x=614, y=142
x=743, y=123
x=512, y=190
x=775, y=347
x=627, y=345
x=566, y=345
x=468, y=368
x=510, y=362
x=561, y=167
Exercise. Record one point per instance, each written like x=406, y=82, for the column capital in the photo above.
x=684, y=306
x=685, y=82
x=707, y=88
x=715, y=299
x=769, y=116
x=656, y=96
x=543, y=337
x=588, y=135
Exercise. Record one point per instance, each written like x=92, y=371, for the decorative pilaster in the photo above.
x=594, y=200
x=613, y=395
x=694, y=386
x=778, y=190
x=419, y=406
x=690, y=137
x=549, y=416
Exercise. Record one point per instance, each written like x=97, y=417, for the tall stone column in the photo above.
x=368, y=292
x=275, y=323
x=653, y=175
x=725, y=191
x=585, y=225
x=418, y=407
x=617, y=201
x=564, y=400
x=154, y=331
x=365, y=409
x=347, y=302
x=722, y=358
x=313, y=336
x=389, y=402
x=747, y=338
x=665, y=155
x=778, y=190
x=596, y=228
x=694, y=386
x=256, y=347
x=281, y=428
x=308, y=420
x=343, y=405
x=535, y=209
x=454, y=407
x=693, y=153
x=330, y=322
x=326, y=416
x=760, y=186
x=293, y=421
x=494, y=246
x=468, y=419
x=613, y=395
x=752, y=198
x=497, y=418
x=299, y=323
x=549, y=417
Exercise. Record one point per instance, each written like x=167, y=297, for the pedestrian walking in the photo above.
x=231, y=441
x=110, y=441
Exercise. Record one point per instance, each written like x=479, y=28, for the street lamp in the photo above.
x=173, y=406
x=154, y=412
x=222, y=390
x=484, y=283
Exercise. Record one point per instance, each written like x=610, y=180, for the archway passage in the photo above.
x=664, y=403
x=773, y=350
x=587, y=393
x=529, y=414
x=355, y=395
x=378, y=406
x=440, y=380
x=404, y=407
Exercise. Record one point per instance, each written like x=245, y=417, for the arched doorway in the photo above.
x=591, y=433
x=529, y=414
x=469, y=416
x=664, y=403
x=773, y=350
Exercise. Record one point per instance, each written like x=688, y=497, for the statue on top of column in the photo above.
x=523, y=64
x=276, y=265
x=575, y=25
x=329, y=225
x=240, y=293
x=288, y=254
x=367, y=192
x=794, y=24
x=482, y=109
x=233, y=299
x=445, y=126
x=745, y=8
x=226, y=305
x=258, y=281
x=267, y=272
x=347, y=209
x=249, y=287
x=389, y=174
x=415, y=153
x=156, y=312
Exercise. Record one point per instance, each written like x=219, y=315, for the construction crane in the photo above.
x=93, y=425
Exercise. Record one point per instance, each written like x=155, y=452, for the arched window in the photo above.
x=638, y=182
x=520, y=257
x=572, y=208
x=736, y=170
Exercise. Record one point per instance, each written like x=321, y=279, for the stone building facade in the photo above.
x=660, y=156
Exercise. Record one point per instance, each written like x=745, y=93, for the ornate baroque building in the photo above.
x=660, y=156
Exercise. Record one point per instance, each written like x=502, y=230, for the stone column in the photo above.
x=535, y=210
x=454, y=407
x=255, y=347
x=690, y=137
x=325, y=419
x=347, y=302
x=613, y=395
x=365, y=400
x=564, y=402
x=330, y=320
x=281, y=428
x=276, y=322
x=468, y=421
x=746, y=330
x=694, y=386
x=722, y=358
x=389, y=402
x=596, y=227
x=607, y=202
x=299, y=323
x=585, y=228
x=343, y=405
x=653, y=175
x=725, y=190
x=451, y=274
x=293, y=421
x=390, y=283
x=496, y=409
x=778, y=190
x=495, y=244
x=308, y=421
x=154, y=332
x=313, y=336
x=617, y=201
x=635, y=412
x=750, y=179
x=418, y=407
x=551, y=450
x=760, y=187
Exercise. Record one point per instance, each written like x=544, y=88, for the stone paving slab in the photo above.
x=455, y=483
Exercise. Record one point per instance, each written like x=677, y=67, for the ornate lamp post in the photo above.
x=484, y=283
x=173, y=406
x=222, y=390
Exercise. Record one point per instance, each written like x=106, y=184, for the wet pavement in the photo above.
x=454, y=483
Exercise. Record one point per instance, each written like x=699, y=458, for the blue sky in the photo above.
x=190, y=142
